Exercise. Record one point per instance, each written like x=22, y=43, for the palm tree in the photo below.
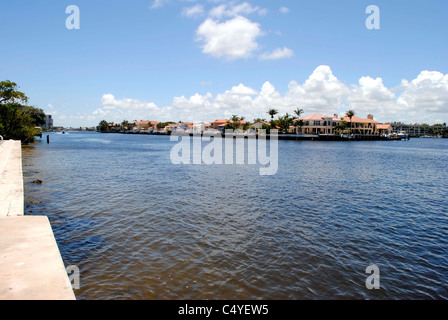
x=350, y=113
x=125, y=124
x=298, y=112
x=234, y=123
x=235, y=118
x=272, y=113
x=300, y=124
x=285, y=122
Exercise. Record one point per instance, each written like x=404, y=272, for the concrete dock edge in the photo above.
x=31, y=266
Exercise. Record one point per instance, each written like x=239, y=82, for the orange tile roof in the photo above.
x=384, y=126
x=264, y=122
x=356, y=119
x=314, y=116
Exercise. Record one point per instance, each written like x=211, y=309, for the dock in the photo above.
x=31, y=266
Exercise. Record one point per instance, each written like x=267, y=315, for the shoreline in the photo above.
x=280, y=136
x=31, y=267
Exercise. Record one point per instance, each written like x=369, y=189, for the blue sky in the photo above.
x=205, y=60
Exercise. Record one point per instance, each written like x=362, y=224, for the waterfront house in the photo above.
x=362, y=126
x=259, y=124
x=171, y=127
x=220, y=124
x=315, y=124
x=145, y=126
x=115, y=127
x=384, y=129
x=201, y=126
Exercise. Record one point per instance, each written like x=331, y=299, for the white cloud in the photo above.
x=371, y=94
x=193, y=12
x=234, y=10
x=117, y=110
x=196, y=101
x=423, y=99
x=428, y=91
x=158, y=3
x=279, y=53
x=232, y=39
x=284, y=10
x=227, y=32
x=242, y=90
x=322, y=92
x=109, y=102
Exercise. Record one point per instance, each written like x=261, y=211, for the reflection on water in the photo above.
x=139, y=227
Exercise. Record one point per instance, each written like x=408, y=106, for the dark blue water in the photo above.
x=139, y=227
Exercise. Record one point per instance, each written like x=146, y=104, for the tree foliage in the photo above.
x=350, y=114
x=236, y=123
x=272, y=112
x=103, y=126
x=17, y=119
x=298, y=112
x=285, y=122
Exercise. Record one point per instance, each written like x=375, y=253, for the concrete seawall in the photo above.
x=31, y=267
x=11, y=179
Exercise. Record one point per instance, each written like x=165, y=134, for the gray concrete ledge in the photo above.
x=31, y=267
x=11, y=179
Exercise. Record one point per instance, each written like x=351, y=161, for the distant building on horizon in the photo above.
x=416, y=130
x=48, y=121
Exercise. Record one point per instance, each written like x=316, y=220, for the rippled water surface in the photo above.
x=139, y=227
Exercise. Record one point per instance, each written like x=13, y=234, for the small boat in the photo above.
x=403, y=135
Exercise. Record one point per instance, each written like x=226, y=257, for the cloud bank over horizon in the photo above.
x=420, y=100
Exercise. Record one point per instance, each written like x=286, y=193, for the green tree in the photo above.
x=103, y=126
x=340, y=128
x=131, y=125
x=445, y=133
x=298, y=112
x=125, y=125
x=266, y=127
x=350, y=114
x=17, y=119
x=300, y=123
x=9, y=93
x=285, y=122
x=272, y=112
x=235, y=123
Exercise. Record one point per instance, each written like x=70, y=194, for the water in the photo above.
x=139, y=227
